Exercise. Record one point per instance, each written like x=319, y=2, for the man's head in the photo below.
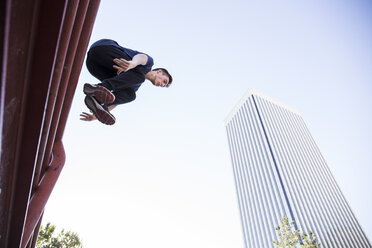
x=162, y=78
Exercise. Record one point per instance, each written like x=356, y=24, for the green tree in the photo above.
x=289, y=237
x=47, y=239
x=309, y=241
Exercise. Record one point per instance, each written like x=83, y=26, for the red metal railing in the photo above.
x=44, y=47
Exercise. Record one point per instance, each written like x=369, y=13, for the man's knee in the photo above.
x=130, y=95
x=125, y=96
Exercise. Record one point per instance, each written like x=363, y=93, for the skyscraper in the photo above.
x=279, y=171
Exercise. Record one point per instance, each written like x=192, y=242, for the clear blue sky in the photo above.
x=161, y=176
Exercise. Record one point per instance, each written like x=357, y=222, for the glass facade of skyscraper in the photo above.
x=279, y=171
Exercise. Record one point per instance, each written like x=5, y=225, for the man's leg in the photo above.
x=100, y=65
x=124, y=96
x=100, y=61
x=100, y=111
x=102, y=94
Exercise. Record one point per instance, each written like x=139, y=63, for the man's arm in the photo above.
x=123, y=65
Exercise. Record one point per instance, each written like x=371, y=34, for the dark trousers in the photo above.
x=100, y=65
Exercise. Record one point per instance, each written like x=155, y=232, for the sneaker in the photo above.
x=102, y=114
x=102, y=94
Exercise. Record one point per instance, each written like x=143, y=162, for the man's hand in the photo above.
x=123, y=65
x=84, y=116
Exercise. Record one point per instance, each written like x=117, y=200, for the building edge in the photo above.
x=251, y=92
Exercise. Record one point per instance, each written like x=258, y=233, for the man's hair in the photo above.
x=165, y=72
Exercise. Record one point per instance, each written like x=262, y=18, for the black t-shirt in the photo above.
x=136, y=76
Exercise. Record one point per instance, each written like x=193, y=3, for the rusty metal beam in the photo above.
x=36, y=233
x=45, y=34
x=41, y=196
x=19, y=23
x=78, y=43
x=72, y=49
x=78, y=63
x=40, y=65
x=3, y=57
x=58, y=70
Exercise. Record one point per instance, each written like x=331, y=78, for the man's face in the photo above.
x=161, y=80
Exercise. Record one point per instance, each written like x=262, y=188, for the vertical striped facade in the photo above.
x=279, y=171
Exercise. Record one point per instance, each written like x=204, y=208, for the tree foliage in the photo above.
x=47, y=238
x=309, y=241
x=289, y=237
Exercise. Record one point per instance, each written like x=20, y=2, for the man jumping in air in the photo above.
x=121, y=72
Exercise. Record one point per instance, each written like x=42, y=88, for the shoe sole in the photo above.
x=102, y=94
x=102, y=115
